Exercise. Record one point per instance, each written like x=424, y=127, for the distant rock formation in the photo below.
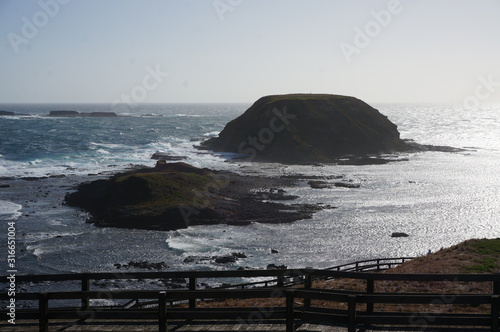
x=7, y=113
x=159, y=155
x=399, y=234
x=73, y=114
x=308, y=128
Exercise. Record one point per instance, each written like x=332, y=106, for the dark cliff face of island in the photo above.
x=176, y=195
x=306, y=128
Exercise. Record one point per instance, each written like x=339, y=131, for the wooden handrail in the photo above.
x=351, y=315
x=195, y=274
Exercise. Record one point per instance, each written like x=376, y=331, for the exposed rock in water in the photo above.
x=276, y=267
x=347, y=185
x=359, y=161
x=177, y=195
x=239, y=254
x=226, y=259
x=165, y=156
x=399, y=234
x=142, y=265
x=223, y=259
x=308, y=128
x=7, y=113
x=316, y=184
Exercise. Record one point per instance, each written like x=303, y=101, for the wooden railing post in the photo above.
x=307, y=285
x=370, y=289
x=192, y=287
x=85, y=288
x=162, y=315
x=495, y=311
x=351, y=313
x=43, y=311
x=290, y=323
x=281, y=281
x=496, y=287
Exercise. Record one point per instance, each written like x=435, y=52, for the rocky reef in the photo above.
x=176, y=195
x=73, y=114
x=308, y=128
x=6, y=113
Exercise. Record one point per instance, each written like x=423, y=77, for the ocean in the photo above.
x=438, y=198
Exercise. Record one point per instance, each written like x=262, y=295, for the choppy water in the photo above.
x=438, y=198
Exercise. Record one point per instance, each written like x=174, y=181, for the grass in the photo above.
x=474, y=256
x=488, y=260
x=304, y=97
x=171, y=189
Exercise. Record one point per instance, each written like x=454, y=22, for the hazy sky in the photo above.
x=239, y=50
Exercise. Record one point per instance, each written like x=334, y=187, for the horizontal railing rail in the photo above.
x=351, y=316
x=288, y=277
x=370, y=264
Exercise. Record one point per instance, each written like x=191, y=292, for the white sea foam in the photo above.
x=9, y=210
x=192, y=243
x=110, y=145
x=38, y=252
x=212, y=134
x=182, y=115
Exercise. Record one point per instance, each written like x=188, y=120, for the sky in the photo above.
x=195, y=51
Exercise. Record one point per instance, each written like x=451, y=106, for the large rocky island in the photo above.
x=307, y=128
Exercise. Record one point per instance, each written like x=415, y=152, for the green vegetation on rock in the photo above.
x=151, y=198
x=176, y=195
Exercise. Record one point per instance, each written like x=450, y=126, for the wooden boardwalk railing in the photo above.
x=358, y=306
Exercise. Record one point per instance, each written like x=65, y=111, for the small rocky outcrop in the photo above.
x=276, y=267
x=308, y=128
x=399, y=234
x=222, y=259
x=318, y=184
x=142, y=265
x=172, y=196
x=159, y=155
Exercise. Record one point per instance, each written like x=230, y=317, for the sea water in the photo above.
x=438, y=198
